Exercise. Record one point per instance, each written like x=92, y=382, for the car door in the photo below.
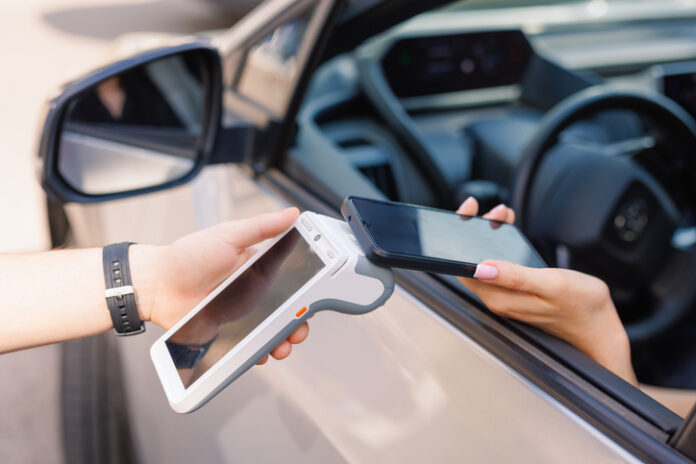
x=428, y=377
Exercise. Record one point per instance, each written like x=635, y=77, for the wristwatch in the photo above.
x=120, y=297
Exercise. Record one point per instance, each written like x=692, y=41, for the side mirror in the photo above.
x=140, y=125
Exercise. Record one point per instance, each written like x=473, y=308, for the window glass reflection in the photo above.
x=138, y=129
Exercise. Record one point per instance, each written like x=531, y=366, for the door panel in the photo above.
x=397, y=385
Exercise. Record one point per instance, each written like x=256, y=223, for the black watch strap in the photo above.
x=119, y=294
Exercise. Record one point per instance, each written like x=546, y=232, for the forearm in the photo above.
x=614, y=353
x=679, y=401
x=604, y=339
x=56, y=296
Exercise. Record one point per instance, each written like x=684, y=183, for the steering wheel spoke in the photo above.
x=628, y=148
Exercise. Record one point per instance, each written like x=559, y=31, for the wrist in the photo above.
x=612, y=348
x=144, y=262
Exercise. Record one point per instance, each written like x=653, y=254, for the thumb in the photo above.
x=247, y=232
x=510, y=276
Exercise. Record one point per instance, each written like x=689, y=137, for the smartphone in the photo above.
x=433, y=240
x=313, y=266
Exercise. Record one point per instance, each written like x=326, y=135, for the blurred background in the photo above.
x=45, y=43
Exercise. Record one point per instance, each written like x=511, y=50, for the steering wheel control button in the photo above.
x=632, y=220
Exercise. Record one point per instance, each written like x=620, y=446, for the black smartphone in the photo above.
x=433, y=240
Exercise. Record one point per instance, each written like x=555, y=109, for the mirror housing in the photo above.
x=147, y=123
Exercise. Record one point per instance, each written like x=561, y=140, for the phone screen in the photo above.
x=418, y=232
x=241, y=306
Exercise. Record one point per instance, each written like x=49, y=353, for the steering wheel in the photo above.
x=624, y=212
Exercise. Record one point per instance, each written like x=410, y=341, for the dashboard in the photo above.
x=456, y=62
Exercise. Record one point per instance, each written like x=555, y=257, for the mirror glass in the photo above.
x=140, y=128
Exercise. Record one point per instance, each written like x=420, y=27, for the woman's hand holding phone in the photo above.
x=575, y=307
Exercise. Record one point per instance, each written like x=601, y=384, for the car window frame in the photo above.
x=273, y=130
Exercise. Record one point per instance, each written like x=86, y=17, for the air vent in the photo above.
x=381, y=176
x=373, y=162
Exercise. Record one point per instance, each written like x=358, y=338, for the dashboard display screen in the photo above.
x=241, y=306
x=682, y=89
x=452, y=63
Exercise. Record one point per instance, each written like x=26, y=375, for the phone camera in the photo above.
x=317, y=237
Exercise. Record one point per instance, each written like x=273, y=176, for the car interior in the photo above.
x=582, y=122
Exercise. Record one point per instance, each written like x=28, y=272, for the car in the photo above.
x=578, y=113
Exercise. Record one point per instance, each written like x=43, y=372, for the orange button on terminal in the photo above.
x=301, y=311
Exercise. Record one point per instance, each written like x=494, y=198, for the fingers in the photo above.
x=469, y=207
x=526, y=307
x=510, y=216
x=282, y=351
x=501, y=213
x=247, y=232
x=299, y=335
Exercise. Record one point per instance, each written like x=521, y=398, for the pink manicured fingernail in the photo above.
x=466, y=202
x=486, y=272
x=497, y=209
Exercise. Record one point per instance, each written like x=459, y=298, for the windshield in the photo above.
x=545, y=12
x=469, y=4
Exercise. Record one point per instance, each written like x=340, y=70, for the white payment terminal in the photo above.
x=315, y=265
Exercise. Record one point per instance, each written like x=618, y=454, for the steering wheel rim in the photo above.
x=574, y=109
